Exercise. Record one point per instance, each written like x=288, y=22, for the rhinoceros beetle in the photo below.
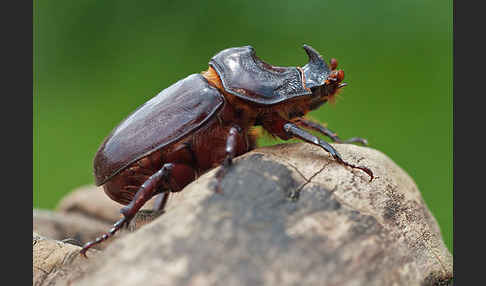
x=206, y=119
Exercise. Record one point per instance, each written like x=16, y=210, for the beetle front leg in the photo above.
x=230, y=150
x=144, y=193
x=292, y=130
x=308, y=124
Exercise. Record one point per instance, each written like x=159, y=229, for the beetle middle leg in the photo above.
x=230, y=151
x=308, y=124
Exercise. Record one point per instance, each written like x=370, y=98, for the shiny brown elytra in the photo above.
x=205, y=120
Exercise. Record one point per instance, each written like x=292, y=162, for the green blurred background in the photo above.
x=96, y=61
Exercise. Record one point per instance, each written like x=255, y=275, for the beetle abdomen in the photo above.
x=244, y=75
x=175, y=112
x=192, y=156
x=123, y=186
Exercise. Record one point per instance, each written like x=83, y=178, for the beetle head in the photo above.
x=323, y=80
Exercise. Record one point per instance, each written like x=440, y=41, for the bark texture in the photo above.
x=289, y=215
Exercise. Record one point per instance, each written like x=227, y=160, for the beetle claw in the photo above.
x=119, y=224
x=217, y=188
x=364, y=169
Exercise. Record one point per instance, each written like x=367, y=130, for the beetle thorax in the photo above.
x=251, y=112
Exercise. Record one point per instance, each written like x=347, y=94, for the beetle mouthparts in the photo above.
x=342, y=85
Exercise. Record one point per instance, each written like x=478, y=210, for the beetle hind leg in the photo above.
x=231, y=145
x=104, y=237
x=144, y=193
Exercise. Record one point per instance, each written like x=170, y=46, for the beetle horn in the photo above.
x=316, y=71
x=314, y=56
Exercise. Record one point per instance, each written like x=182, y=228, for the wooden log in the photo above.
x=289, y=215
